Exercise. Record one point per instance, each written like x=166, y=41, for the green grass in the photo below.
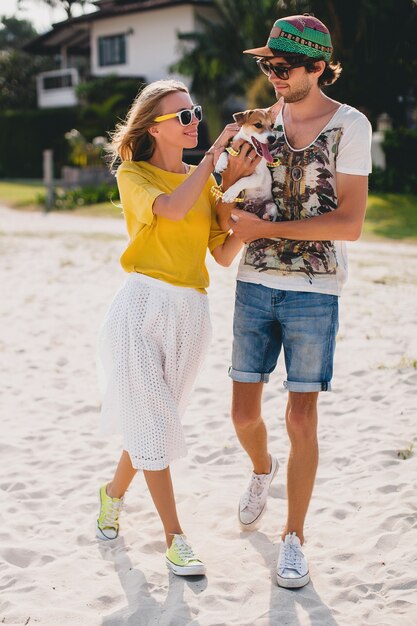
x=22, y=194
x=392, y=216
x=389, y=216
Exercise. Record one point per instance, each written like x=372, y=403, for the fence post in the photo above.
x=48, y=178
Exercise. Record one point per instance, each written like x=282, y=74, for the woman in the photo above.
x=157, y=330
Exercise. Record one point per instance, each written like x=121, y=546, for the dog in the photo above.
x=256, y=127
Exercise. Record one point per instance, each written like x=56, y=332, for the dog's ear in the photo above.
x=241, y=117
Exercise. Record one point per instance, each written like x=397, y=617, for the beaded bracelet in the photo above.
x=232, y=151
x=217, y=192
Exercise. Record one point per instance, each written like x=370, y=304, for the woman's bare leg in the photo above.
x=160, y=486
x=122, y=478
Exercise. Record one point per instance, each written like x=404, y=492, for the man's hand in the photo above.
x=247, y=226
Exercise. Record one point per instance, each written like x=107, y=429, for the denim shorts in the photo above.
x=304, y=323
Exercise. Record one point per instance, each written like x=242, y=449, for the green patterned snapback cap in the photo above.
x=301, y=34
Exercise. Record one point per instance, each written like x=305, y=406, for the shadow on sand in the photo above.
x=146, y=605
x=287, y=604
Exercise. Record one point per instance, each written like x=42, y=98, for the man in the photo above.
x=292, y=269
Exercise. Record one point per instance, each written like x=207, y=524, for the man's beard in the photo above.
x=299, y=93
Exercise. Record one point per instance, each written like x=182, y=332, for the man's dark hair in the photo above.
x=331, y=72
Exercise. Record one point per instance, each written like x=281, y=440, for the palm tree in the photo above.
x=215, y=62
x=373, y=40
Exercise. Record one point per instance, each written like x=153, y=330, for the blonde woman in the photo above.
x=157, y=329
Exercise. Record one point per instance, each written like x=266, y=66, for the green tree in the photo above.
x=15, y=33
x=214, y=60
x=373, y=40
x=104, y=100
x=18, y=70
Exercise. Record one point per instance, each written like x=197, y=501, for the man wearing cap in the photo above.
x=292, y=269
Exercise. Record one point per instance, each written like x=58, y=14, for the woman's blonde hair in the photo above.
x=131, y=141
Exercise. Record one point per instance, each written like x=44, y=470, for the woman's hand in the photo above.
x=222, y=141
x=244, y=164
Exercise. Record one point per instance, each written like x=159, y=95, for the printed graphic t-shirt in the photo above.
x=304, y=186
x=172, y=251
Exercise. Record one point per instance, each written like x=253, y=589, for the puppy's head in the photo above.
x=257, y=127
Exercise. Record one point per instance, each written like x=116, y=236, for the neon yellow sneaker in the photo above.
x=181, y=559
x=108, y=520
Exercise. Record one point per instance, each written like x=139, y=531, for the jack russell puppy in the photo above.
x=257, y=128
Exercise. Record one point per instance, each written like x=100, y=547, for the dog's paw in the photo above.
x=229, y=195
x=271, y=212
x=221, y=164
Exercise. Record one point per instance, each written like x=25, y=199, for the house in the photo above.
x=129, y=38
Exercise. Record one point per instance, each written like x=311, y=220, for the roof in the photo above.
x=74, y=32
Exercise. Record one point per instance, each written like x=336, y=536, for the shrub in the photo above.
x=400, y=175
x=82, y=196
x=83, y=152
x=104, y=101
x=25, y=134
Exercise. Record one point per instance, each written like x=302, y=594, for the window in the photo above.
x=57, y=82
x=112, y=50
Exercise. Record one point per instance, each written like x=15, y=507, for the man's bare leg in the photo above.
x=249, y=425
x=301, y=420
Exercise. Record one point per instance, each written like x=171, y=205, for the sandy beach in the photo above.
x=58, y=275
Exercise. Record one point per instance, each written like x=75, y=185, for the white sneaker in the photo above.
x=252, y=504
x=292, y=569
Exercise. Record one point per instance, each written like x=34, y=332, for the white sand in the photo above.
x=58, y=274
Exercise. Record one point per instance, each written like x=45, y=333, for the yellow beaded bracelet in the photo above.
x=275, y=163
x=217, y=192
x=232, y=151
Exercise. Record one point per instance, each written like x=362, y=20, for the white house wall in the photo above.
x=151, y=45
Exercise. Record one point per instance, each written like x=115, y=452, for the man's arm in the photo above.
x=342, y=224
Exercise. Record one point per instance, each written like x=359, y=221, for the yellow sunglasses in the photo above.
x=185, y=116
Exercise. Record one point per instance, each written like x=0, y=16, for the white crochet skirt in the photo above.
x=151, y=345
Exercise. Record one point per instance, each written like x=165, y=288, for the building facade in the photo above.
x=128, y=38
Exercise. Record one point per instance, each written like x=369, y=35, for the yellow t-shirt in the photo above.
x=172, y=251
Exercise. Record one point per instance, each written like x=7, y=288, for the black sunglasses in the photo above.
x=185, y=116
x=280, y=72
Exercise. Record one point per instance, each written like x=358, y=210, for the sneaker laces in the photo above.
x=183, y=549
x=292, y=556
x=111, y=512
x=254, y=491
